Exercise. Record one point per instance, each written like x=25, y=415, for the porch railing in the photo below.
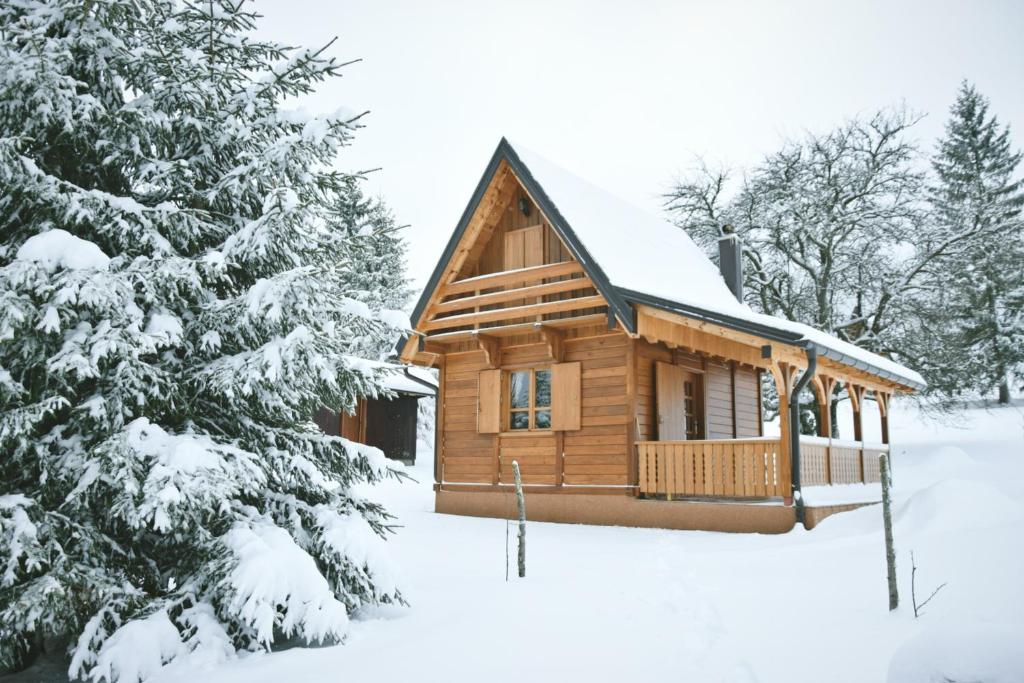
x=833, y=461
x=734, y=468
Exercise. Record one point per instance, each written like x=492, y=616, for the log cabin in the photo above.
x=599, y=347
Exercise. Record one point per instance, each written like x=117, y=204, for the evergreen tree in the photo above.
x=175, y=302
x=376, y=255
x=977, y=309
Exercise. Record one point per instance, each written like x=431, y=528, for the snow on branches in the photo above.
x=184, y=279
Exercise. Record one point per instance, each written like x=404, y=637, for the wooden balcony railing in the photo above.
x=733, y=468
x=832, y=461
x=493, y=302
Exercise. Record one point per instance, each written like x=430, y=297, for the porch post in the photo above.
x=783, y=375
x=857, y=400
x=823, y=386
x=882, y=399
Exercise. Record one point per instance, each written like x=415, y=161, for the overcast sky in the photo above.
x=626, y=93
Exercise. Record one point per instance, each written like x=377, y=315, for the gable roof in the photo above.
x=634, y=257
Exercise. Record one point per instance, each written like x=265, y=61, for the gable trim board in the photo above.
x=622, y=301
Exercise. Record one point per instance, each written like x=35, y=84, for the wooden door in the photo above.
x=391, y=427
x=678, y=395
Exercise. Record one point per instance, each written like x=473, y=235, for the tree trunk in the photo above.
x=890, y=548
x=521, y=501
x=1004, y=391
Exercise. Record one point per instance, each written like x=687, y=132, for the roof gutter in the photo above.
x=414, y=378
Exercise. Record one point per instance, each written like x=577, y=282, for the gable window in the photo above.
x=529, y=399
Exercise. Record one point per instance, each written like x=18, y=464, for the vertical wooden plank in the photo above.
x=642, y=467
x=631, y=412
x=698, y=467
x=718, y=458
x=688, y=460
x=439, y=423
x=662, y=466
x=565, y=396
x=730, y=468
x=760, y=470
x=670, y=473
x=488, y=417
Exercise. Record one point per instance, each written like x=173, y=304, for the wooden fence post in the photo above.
x=521, y=501
x=890, y=548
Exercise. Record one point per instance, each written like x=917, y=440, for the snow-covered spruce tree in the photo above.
x=376, y=256
x=977, y=302
x=174, y=305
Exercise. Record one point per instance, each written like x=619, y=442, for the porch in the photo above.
x=752, y=468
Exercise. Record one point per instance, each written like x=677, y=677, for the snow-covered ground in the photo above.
x=610, y=604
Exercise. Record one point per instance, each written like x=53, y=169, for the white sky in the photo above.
x=626, y=93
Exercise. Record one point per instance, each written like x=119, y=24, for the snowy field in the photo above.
x=609, y=604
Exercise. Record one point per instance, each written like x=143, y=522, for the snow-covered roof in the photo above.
x=411, y=380
x=646, y=255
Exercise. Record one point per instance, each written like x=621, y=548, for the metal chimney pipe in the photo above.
x=730, y=260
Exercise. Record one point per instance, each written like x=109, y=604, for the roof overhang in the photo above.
x=767, y=333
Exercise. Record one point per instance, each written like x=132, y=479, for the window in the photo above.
x=529, y=399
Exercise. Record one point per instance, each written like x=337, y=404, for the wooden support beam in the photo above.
x=491, y=348
x=882, y=399
x=545, y=308
x=519, y=276
x=554, y=339
x=824, y=386
x=516, y=294
x=856, y=393
x=784, y=375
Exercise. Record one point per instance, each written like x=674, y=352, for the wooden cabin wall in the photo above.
x=748, y=403
x=598, y=454
x=718, y=391
x=718, y=413
x=493, y=257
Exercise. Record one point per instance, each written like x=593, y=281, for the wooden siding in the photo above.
x=718, y=388
x=596, y=454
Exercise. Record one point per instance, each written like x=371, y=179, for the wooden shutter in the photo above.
x=565, y=396
x=488, y=413
x=668, y=380
x=524, y=247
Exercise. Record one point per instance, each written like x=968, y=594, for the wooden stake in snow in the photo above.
x=522, y=519
x=890, y=549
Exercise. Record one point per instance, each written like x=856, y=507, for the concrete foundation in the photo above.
x=621, y=510
x=814, y=516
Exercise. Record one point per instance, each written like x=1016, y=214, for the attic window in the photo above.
x=529, y=393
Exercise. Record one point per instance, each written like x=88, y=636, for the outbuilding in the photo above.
x=388, y=422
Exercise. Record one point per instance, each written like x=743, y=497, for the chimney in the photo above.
x=730, y=260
